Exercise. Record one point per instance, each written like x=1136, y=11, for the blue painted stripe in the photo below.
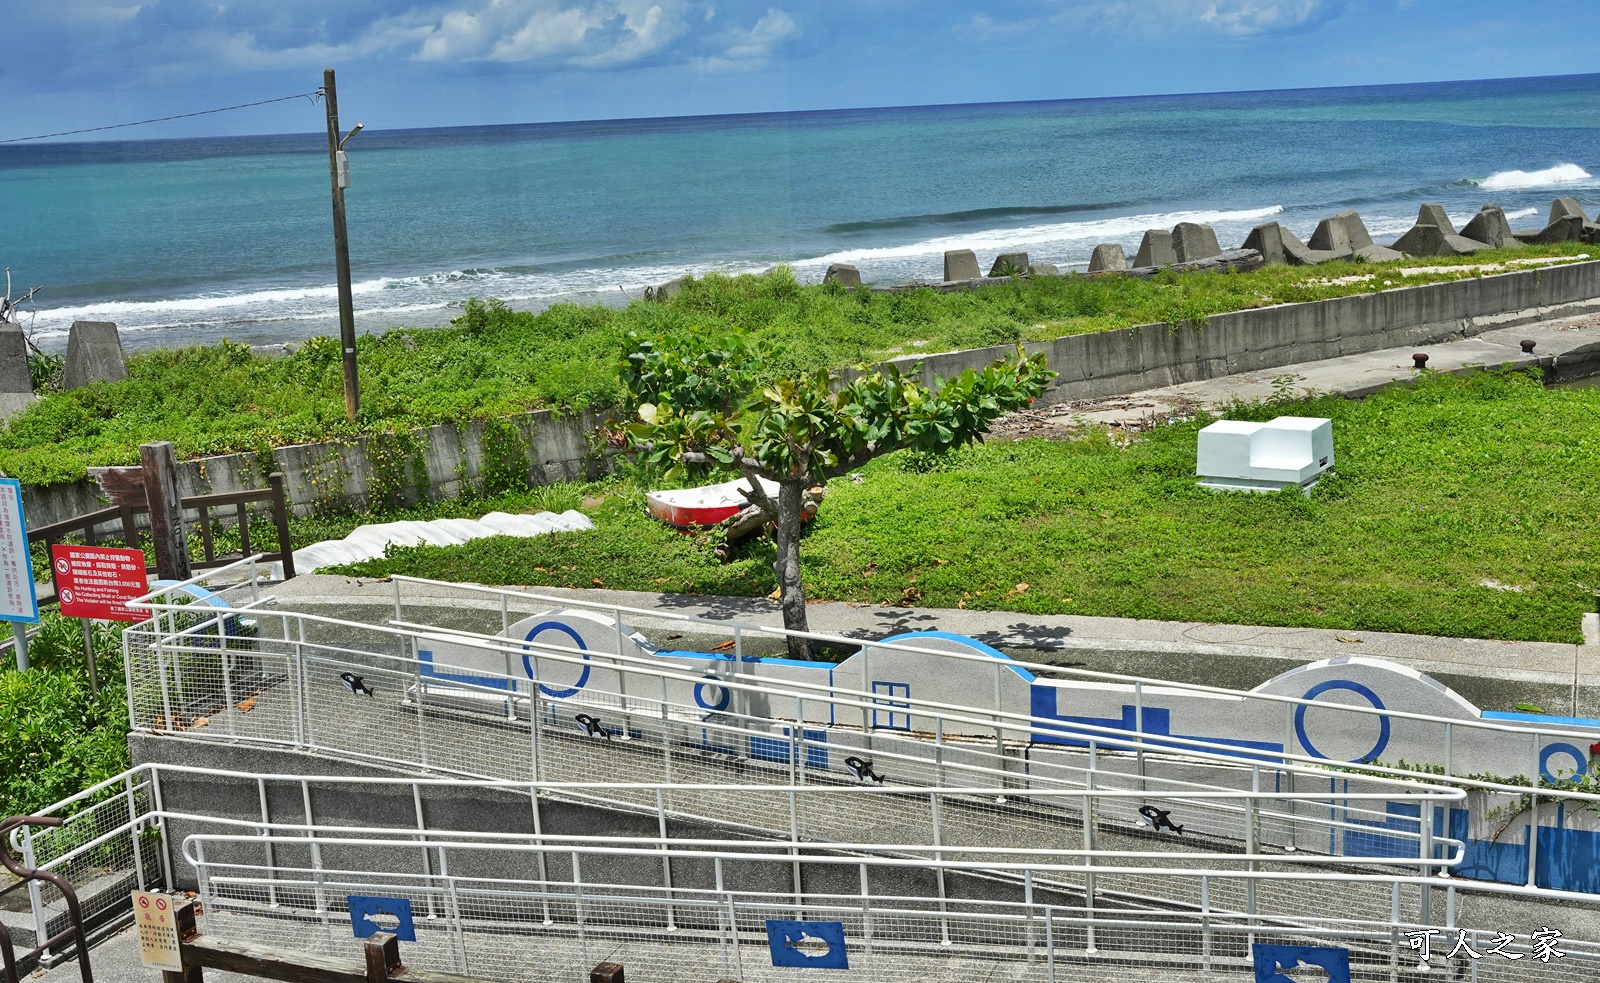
x=1540, y=718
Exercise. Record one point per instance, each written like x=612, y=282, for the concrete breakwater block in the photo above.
x=1341, y=235
x=843, y=274
x=1043, y=269
x=1563, y=208
x=1108, y=257
x=1490, y=227
x=1568, y=223
x=665, y=291
x=1156, y=249
x=1378, y=254
x=94, y=354
x=961, y=264
x=1430, y=240
x=1192, y=242
x=1009, y=264
x=1277, y=244
x=16, y=382
x=1434, y=214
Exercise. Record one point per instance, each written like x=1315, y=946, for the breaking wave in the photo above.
x=1551, y=177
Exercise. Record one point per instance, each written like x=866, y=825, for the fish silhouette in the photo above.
x=355, y=684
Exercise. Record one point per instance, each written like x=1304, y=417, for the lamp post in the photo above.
x=339, y=179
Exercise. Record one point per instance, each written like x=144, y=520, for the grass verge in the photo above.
x=493, y=362
x=1460, y=507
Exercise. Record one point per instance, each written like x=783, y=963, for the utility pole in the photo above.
x=338, y=178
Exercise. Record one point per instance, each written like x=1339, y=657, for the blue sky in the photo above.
x=405, y=63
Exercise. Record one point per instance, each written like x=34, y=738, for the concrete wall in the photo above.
x=1091, y=366
x=434, y=463
x=1150, y=356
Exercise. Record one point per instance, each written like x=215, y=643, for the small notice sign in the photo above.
x=158, y=931
x=98, y=581
x=18, y=602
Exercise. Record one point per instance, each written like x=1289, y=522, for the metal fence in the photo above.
x=1040, y=922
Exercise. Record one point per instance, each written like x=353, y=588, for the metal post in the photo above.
x=35, y=896
x=666, y=855
x=1138, y=728
x=134, y=830
x=938, y=856
x=422, y=838
x=88, y=655
x=1205, y=924
x=19, y=636
x=341, y=252
x=266, y=834
x=866, y=909
x=1088, y=860
x=1049, y=944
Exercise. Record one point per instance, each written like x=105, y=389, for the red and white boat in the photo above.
x=706, y=505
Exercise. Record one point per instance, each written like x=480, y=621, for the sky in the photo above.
x=73, y=64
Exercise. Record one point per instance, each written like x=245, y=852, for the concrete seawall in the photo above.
x=443, y=461
x=1111, y=363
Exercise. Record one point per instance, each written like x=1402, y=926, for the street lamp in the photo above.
x=339, y=179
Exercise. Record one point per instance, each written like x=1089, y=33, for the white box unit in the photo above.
x=1291, y=451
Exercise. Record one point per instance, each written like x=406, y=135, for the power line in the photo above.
x=313, y=96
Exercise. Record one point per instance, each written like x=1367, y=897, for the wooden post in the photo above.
x=280, y=518
x=383, y=956
x=606, y=973
x=166, y=510
x=341, y=251
x=183, y=918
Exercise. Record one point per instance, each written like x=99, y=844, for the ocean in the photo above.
x=195, y=240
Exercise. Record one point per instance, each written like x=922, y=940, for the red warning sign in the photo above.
x=98, y=581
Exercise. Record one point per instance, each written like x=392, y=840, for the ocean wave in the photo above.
x=1561, y=175
x=969, y=215
x=380, y=301
x=1041, y=236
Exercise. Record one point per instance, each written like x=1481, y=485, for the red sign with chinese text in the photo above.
x=98, y=581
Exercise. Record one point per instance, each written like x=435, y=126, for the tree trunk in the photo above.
x=791, y=498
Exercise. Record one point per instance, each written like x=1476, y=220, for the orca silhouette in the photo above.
x=591, y=726
x=863, y=770
x=1159, y=819
x=355, y=684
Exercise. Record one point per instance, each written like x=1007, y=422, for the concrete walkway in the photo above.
x=1564, y=348
x=1494, y=675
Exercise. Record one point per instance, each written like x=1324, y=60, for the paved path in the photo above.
x=1233, y=656
x=1564, y=348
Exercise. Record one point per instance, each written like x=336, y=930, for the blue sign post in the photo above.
x=1274, y=961
x=19, y=603
x=813, y=945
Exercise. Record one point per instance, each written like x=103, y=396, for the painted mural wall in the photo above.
x=1359, y=711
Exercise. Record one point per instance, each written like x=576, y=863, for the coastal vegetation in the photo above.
x=492, y=361
x=1458, y=507
x=56, y=737
x=701, y=405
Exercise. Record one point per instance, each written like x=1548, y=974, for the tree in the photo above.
x=707, y=403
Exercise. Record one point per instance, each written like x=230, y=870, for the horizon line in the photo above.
x=818, y=112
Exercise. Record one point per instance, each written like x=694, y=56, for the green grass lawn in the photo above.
x=494, y=362
x=1439, y=488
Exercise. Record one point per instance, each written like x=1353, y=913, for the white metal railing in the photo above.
x=1534, y=799
x=1044, y=914
x=1259, y=896
x=302, y=714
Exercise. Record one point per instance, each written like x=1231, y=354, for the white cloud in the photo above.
x=748, y=49
x=1230, y=18
x=585, y=33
